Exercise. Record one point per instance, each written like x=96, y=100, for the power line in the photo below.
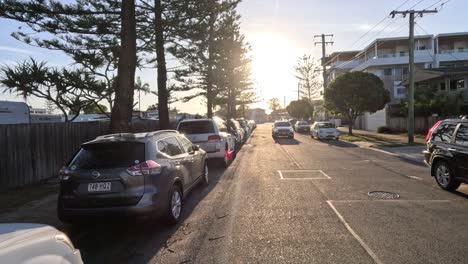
x=375, y=26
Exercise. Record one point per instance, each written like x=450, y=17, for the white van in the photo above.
x=14, y=113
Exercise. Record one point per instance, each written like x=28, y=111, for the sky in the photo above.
x=279, y=32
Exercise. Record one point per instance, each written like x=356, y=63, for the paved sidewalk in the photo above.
x=390, y=138
x=388, y=143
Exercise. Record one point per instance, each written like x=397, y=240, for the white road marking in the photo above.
x=395, y=200
x=306, y=178
x=416, y=178
x=356, y=236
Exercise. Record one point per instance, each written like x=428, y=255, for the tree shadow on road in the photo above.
x=136, y=240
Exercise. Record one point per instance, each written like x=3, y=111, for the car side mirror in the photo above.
x=196, y=147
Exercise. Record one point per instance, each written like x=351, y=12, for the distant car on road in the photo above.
x=212, y=136
x=131, y=174
x=292, y=122
x=324, y=130
x=36, y=243
x=302, y=126
x=447, y=153
x=282, y=129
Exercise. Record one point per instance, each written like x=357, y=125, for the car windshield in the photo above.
x=196, y=127
x=325, y=125
x=108, y=155
x=282, y=124
x=302, y=123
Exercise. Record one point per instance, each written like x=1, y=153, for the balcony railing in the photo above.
x=464, y=50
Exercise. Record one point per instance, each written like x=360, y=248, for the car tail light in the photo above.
x=214, y=138
x=429, y=132
x=64, y=173
x=148, y=167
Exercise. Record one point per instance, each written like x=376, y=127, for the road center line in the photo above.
x=356, y=236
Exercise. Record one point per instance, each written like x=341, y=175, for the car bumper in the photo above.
x=303, y=129
x=151, y=204
x=328, y=136
x=285, y=134
x=427, y=157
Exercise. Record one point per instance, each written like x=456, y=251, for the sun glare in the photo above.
x=273, y=58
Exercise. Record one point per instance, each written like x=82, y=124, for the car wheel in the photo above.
x=174, y=208
x=206, y=179
x=444, y=176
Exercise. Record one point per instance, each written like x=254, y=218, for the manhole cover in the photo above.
x=383, y=195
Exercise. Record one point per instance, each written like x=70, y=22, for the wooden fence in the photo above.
x=421, y=124
x=32, y=153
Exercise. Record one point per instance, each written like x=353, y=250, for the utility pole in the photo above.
x=324, y=43
x=411, y=65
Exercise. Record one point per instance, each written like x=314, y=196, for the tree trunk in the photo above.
x=163, y=95
x=123, y=105
x=209, y=76
x=350, y=129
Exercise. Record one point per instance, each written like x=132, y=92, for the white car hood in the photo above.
x=15, y=233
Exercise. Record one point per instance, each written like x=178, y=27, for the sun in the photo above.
x=273, y=59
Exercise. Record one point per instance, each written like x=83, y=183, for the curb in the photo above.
x=400, y=156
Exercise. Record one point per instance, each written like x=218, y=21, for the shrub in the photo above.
x=385, y=130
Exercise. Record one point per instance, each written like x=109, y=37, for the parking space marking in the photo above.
x=355, y=235
x=280, y=172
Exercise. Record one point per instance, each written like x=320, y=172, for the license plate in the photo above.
x=99, y=187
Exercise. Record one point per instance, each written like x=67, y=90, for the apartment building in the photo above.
x=439, y=60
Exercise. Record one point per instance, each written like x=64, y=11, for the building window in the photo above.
x=388, y=72
x=398, y=72
x=405, y=71
x=457, y=84
x=402, y=54
x=442, y=86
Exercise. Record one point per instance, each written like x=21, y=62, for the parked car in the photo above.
x=324, y=130
x=36, y=243
x=236, y=129
x=212, y=136
x=252, y=124
x=131, y=174
x=246, y=128
x=447, y=153
x=282, y=129
x=302, y=126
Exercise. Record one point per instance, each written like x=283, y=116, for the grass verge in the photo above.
x=376, y=140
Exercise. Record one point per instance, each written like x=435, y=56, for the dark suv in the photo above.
x=131, y=174
x=447, y=153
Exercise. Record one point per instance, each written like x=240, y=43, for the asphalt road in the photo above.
x=297, y=201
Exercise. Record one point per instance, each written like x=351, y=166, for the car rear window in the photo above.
x=444, y=133
x=301, y=123
x=196, y=127
x=282, y=124
x=325, y=125
x=108, y=155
